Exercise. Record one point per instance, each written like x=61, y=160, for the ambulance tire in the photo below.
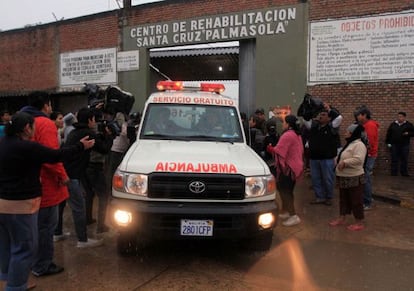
x=260, y=243
x=127, y=244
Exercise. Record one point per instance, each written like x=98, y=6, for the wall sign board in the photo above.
x=128, y=61
x=241, y=25
x=362, y=49
x=89, y=66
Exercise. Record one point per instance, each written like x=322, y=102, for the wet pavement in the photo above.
x=397, y=190
x=309, y=256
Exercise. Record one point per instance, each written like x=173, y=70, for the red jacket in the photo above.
x=51, y=175
x=371, y=128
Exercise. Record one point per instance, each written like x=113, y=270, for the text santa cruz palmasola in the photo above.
x=216, y=28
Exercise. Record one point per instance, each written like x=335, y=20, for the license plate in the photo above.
x=196, y=227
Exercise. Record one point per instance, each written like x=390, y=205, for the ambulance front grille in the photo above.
x=196, y=186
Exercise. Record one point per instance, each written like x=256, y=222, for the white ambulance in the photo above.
x=191, y=175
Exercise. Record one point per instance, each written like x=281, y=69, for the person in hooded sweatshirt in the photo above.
x=68, y=120
x=54, y=181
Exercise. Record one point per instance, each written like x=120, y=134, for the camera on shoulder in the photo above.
x=112, y=126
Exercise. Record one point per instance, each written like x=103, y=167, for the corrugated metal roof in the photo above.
x=67, y=91
x=199, y=62
x=195, y=52
x=4, y=94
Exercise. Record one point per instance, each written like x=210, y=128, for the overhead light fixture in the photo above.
x=220, y=68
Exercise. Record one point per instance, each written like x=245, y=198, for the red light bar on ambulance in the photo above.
x=217, y=88
x=178, y=86
x=170, y=85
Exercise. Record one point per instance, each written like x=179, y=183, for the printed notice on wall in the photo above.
x=91, y=66
x=128, y=61
x=362, y=49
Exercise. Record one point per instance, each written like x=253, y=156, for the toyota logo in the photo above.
x=197, y=187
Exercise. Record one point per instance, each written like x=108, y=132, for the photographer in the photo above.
x=95, y=181
x=76, y=169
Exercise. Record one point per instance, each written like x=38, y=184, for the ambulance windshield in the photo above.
x=191, y=122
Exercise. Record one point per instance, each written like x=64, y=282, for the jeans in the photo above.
x=18, y=244
x=77, y=204
x=369, y=166
x=399, y=155
x=47, y=222
x=323, y=178
x=59, y=227
x=95, y=183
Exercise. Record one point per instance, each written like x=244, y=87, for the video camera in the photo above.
x=102, y=123
x=110, y=101
x=113, y=98
x=310, y=107
x=111, y=125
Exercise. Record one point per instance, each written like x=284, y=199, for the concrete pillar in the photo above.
x=247, y=76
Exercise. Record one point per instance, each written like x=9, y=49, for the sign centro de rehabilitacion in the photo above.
x=216, y=28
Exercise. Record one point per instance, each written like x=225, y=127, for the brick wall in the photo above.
x=98, y=32
x=384, y=100
x=29, y=58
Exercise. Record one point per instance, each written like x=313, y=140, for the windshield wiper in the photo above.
x=211, y=138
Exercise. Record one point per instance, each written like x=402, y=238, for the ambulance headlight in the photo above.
x=122, y=217
x=130, y=183
x=260, y=186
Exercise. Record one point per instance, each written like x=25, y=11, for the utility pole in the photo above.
x=127, y=4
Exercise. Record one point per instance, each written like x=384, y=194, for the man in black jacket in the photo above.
x=323, y=148
x=76, y=168
x=398, y=140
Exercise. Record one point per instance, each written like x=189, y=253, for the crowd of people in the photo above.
x=67, y=158
x=332, y=163
x=70, y=159
x=26, y=220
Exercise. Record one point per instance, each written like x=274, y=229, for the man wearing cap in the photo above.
x=363, y=116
